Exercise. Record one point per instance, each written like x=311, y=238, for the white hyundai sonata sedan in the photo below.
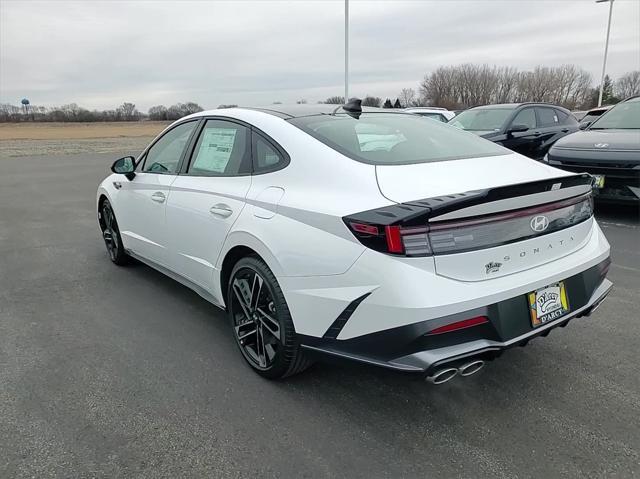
x=361, y=234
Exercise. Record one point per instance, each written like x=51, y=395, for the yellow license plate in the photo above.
x=598, y=181
x=548, y=303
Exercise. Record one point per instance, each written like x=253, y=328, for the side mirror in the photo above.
x=518, y=128
x=125, y=166
x=584, y=125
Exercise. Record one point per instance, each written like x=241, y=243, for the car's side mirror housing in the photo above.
x=584, y=125
x=125, y=166
x=518, y=128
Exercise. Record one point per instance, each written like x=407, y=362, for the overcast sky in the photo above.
x=101, y=53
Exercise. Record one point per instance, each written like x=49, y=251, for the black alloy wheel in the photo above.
x=111, y=235
x=261, y=321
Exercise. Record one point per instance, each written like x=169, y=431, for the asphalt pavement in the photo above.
x=122, y=372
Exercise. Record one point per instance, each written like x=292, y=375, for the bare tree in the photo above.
x=628, y=85
x=334, y=100
x=158, y=112
x=407, y=97
x=371, y=101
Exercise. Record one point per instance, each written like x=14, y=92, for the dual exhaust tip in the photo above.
x=444, y=375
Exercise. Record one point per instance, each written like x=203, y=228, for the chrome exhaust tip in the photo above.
x=441, y=376
x=471, y=368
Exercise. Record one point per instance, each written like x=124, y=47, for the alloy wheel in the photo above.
x=255, y=324
x=110, y=231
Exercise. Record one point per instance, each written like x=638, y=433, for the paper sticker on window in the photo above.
x=215, y=149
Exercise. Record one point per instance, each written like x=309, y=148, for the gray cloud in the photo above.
x=99, y=53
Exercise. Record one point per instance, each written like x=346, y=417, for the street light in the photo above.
x=606, y=50
x=346, y=51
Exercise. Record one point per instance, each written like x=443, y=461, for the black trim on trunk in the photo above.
x=417, y=212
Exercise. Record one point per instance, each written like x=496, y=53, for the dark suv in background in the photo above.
x=526, y=128
x=609, y=149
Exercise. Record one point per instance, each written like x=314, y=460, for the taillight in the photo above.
x=406, y=236
x=393, y=239
x=458, y=325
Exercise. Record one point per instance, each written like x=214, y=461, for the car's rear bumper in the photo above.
x=621, y=182
x=412, y=349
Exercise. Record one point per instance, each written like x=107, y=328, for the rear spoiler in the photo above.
x=418, y=212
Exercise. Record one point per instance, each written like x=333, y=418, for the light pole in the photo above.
x=346, y=51
x=606, y=50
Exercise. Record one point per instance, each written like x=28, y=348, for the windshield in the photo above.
x=623, y=116
x=485, y=119
x=395, y=139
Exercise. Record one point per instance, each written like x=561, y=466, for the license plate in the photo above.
x=598, y=181
x=548, y=303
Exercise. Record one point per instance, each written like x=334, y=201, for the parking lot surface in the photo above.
x=122, y=372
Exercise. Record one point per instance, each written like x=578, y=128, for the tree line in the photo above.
x=453, y=87
x=468, y=85
x=74, y=113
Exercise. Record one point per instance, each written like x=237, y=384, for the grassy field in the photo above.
x=30, y=139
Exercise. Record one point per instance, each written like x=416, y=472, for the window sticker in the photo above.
x=215, y=149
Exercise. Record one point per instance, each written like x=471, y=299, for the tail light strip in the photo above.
x=457, y=236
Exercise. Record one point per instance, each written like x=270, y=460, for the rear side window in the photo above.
x=266, y=156
x=395, y=138
x=164, y=156
x=565, y=118
x=222, y=149
x=547, y=117
x=525, y=117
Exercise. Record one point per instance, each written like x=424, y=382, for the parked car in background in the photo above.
x=526, y=128
x=434, y=112
x=609, y=149
x=579, y=114
x=592, y=115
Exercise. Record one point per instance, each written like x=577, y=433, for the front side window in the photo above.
x=623, y=116
x=395, y=138
x=547, y=117
x=482, y=119
x=222, y=149
x=525, y=117
x=164, y=156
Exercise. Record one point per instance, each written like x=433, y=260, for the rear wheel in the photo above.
x=261, y=321
x=111, y=235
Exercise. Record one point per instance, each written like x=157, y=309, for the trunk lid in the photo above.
x=403, y=183
x=490, y=217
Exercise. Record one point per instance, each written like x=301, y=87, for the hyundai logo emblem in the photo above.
x=539, y=223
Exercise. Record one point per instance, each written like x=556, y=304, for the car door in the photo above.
x=142, y=201
x=550, y=129
x=523, y=142
x=207, y=198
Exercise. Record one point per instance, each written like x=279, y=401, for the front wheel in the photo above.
x=261, y=321
x=111, y=235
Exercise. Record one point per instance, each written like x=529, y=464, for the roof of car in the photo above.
x=513, y=106
x=311, y=109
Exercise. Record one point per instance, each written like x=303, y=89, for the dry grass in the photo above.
x=30, y=139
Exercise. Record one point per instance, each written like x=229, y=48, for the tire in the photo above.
x=111, y=235
x=261, y=322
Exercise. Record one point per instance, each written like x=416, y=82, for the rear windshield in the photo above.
x=623, y=116
x=395, y=139
x=485, y=119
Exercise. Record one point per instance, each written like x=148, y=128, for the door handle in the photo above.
x=158, y=197
x=221, y=210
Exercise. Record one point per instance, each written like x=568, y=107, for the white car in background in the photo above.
x=433, y=112
x=363, y=234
